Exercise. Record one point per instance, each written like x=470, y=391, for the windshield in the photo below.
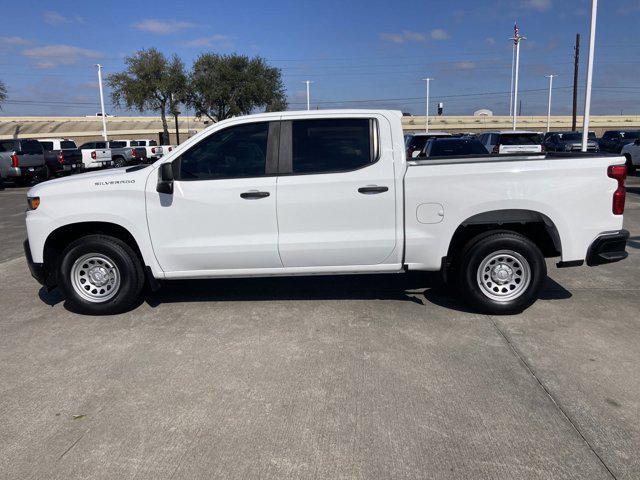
x=520, y=139
x=630, y=135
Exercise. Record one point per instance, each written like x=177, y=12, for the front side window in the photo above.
x=234, y=152
x=321, y=146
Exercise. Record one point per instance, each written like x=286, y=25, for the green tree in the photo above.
x=151, y=81
x=223, y=86
x=3, y=93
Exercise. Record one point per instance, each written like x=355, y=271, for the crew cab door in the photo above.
x=336, y=192
x=221, y=215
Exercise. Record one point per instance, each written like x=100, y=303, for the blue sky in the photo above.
x=358, y=53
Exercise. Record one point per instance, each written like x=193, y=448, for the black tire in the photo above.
x=526, y=280
x=44, y=174
x=119, y=162
x=129, y=268
x=23, y=181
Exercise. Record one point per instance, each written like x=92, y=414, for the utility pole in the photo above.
x=175, y=112
x=576, y=64
x=426, y=124
x=104, y=116
x=587, y=95
x=308, y=82
x=516, y=39
x=550, y=77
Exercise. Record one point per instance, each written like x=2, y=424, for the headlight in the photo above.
x=33, y=202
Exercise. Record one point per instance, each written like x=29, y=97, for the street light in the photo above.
x=104, y=116
x=587, y=96
x=550, y=77
x=516, y=39
x=308, y=82
x=428, y=80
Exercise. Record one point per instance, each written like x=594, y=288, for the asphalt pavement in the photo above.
x=365, y=377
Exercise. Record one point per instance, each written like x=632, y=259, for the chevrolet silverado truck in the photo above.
x=324, y=193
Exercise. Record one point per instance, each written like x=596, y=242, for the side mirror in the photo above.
x=165, y=179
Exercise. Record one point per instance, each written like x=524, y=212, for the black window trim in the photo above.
x=271, y=160
x=285, y=164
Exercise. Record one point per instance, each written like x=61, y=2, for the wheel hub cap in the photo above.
x=95, y=277
x=504, y=275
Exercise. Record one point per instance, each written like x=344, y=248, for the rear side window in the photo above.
x=520, y=139
x=30, y=146
x=47, y=145
x=67, y=144
x=8, y=146
x=133, y=143
x=115, y=144
x=322, y=146
x=234, y=152
x=100, y=145
x=153, y=143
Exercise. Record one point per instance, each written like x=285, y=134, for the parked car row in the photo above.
x=25, y=160
x=439, y=144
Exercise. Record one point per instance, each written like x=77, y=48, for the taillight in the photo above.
x=619, y=173
x=60, y=157
x=93, y=155
x=133, y=152
x=170, y=149
x=496, y=149
x=153, y=150
x=542, y=149
x=14, y=160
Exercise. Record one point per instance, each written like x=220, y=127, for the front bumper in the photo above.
x=37, y=269
x=608, y=248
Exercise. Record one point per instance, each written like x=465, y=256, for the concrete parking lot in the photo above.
x=351, y=377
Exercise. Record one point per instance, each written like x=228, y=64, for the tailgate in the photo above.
x=103, y=156
x=71, y=156
x=30, y=159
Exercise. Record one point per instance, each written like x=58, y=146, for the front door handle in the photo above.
x=372, y=189
x=254, y=195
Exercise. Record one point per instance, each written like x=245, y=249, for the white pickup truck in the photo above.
x=154, y=151
x=96, y=155
x=324, y=192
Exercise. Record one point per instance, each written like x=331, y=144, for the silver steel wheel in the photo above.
x=95, y=277
x=504, y=275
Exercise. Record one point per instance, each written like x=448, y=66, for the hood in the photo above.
x=114, y=178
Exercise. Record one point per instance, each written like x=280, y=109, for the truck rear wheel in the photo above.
x=100, y=275
x=501, y=273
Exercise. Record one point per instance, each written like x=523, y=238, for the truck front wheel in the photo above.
x=501, y=273
x=100, y=275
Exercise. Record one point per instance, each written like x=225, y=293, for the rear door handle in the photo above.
x=254, y=195
x=372, y=190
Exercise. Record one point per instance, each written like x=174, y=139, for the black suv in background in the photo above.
x=452, y=147
x=613, y=140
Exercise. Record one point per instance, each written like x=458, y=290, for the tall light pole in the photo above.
x=587, y=95
x=104, y=116
x=426, y=123
x=550, y=77
x=513, y=61
x=308, y=82
x=516, y=38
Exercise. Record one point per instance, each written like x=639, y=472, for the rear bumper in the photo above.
x=608, y=248
x=19, y=172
